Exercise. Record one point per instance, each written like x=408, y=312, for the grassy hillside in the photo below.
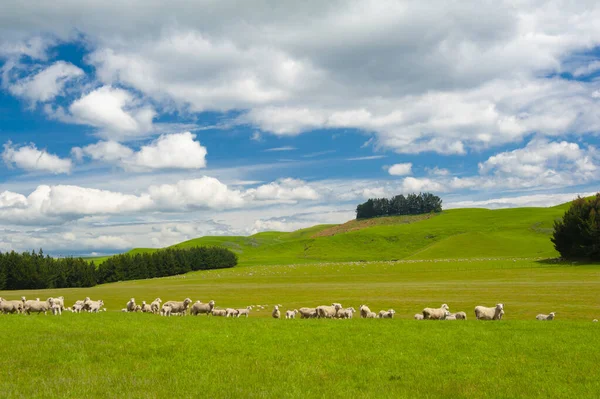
x=457, y=233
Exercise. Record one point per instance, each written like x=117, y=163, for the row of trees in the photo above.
x=36, y=271
x=412, y=204
x=31, y=270
x=167, y=262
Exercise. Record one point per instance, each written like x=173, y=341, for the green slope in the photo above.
x=456, y=233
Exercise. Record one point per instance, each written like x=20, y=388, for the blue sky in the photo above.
x=145, y=124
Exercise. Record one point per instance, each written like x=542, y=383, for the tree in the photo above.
x=577, y=234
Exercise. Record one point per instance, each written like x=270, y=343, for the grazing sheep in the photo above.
x=307, y=313
x=229, y=312
x=276, y=313
x=38, y=306
x=347, y=313
x=87, y=303
x=179, y=307
x=328, y=312
x=371, y=315
x=450, y=317
x=12, y=306
x=245, y=312
x=155, y=305
x=460, y=316
x=418, y=316
x=219, y=312
x=138, y=308
x=291, y=314
x=28, y=302
x=387, y=314
x=200, y=307
x=124, y=310
x=146, y=308
x=77, y=308
x=96, y=305
x=436, y=313
x=495, y=313
x=546, y=316
x=165, y=310
x=56, y=309
x=60, y=301
x=131, y=305
x=364, y=311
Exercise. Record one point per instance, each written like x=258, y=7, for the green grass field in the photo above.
x=463, y=257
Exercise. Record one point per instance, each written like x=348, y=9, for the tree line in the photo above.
x=31, y=270
x=412, y=204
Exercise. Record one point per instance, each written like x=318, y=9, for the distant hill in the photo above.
x=456, y=233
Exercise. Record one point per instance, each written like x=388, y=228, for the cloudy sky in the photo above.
x=148, y=123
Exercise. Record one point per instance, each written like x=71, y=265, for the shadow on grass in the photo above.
x=567, y=262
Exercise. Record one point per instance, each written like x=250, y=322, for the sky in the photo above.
x=147, y=123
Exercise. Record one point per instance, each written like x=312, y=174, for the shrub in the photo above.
x=577, y=235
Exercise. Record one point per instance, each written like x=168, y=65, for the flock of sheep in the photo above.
x=173, y=308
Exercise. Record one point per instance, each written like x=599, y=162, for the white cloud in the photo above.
x=31, y=159
x=400, y=169
x=541, y=200
x=206, y=192
x=367, y=158
x=256, y=136
x=285, y=190
x=169, y=151
x=116, y=112
x=438, y=171
x=46, y=84
x=280, y=149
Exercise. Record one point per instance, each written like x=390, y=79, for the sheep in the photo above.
x=179, y=307
x=96, y=305
x=595, y=321
x=450, y=317
x=291, y=314
x=146, y=308
x=138, y=308
x=371, y=315
x=28, y=302
x=347, y=313
x=131, y=305
x=77, y=308
x=436, y=313
x=245, y=312
x=124, y=310
x=495, y=313
x=56, y=309
x=12, y=306
x=546, y=316
x=307, y=313
x=460, y=316
x=328, y=311
x=229, y=312
x=155, y=305
x=38, y=306
x=418, y=316
x=87, y=303
x=200, y=307
x=219, y=312
x=387, y=314
x=276, y=313
x=60, y=301
x=364, y=311
x=165, y=310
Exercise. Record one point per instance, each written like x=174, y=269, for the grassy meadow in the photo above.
x=464, y=258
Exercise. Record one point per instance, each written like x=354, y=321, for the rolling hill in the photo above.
x=452, y=234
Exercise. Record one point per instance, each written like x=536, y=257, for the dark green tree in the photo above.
x=577, y=234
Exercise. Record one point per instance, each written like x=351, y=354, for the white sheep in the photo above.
x=460, y=316
x=146, y=308
x=165, y=310
x=37, y=306
x=595, y=321
x=96, y=305
x=291, y=314
x=155, y=305
x=364, y=311
x=419, y=316
x=436, y=313
x=371, y=315
x=229, y=312
x=131, y=305
x=276, y=313
x=387, y=314
x=347, y=313
x=11, y=306
x=328, y=312
x=546, y=316
x=495, y=313
x=245, y=312
x=450, y=317
x=179, y=307
x=199, y=308
x=307, y=313
x=56, y=309
x=219, y=312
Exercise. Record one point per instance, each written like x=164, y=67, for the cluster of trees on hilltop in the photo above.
x=577, y=234
x=31, y=270
x=412, y=204
x=166, y=262
x=36, y=271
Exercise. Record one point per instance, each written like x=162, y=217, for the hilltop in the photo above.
x=455, y=233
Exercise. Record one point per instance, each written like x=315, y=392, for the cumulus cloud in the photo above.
x=30, y=158
x=206, y=192
x=400, y=169
x=284, y=190
x=169, y=151
x=520, y=201
x=46, y=84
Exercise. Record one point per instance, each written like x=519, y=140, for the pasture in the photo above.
x=114, y=354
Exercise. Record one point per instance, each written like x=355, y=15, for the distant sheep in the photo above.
x=202, y=308
x=165, y=310
x=595, y=321
x=291, y=314
x=371, y=315
x=155, y=305
x=418, y=316
x=244, y=312
x=37, y=306
x=364, y=311
x=179, y=307
x=56, y=309
x=276, y=313
x=450, y=317
x=307, y=313
x=546, y=316
x=495, y=313
x=387, y=314
x=229, y=312
x=219, y=312
x=131, y=305
x=436, y=313
x=146, y=308
x=460, y=316
x=11, y=306
x=95, y=306
x=328, y=312
x=347, y=313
